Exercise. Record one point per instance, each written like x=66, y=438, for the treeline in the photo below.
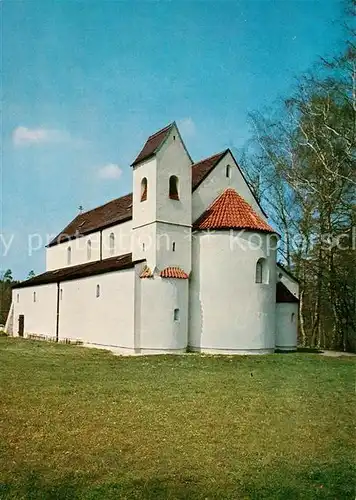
x=301, y=162
x=6, y=283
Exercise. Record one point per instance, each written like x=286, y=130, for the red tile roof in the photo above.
x=120, y=209
x=174, y=272
x=153, y=143
x=146, y=273
x=113, y=212
x=283, y=294
x=202, y=169
x=81, y=271
x=231, y=211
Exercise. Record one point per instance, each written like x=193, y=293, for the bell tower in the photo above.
x=162, y=202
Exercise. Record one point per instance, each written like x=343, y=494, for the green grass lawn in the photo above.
x=83, y=424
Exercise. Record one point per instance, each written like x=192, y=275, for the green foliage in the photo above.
x=303, y=155
x=78, y=423
x=7, y=276
x=6, y=283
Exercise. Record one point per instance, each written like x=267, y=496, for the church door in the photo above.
x=21, y=325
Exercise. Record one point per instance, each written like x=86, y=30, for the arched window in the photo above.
x=143, y=247
x=89, y=250
x=69, y=256
x=144, y=189
x=176, y=315
x=228, y=171
x=34, y=297
x=261, y=271
x=173, y=187
x=112, y=243
x=292, y=318
x=173, y=246
x=97, y=291
x=61, y=294
x=18, y=298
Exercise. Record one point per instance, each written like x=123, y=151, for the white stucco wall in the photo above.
x=159, y=221
x=229, y=311
x=158, y=331
x=144, y=212
x=144, y=244
x=57, y=255
x=216, y=182
x=286, y=326
x=9, y=325
x=123, y=240
x=107, y=320
x=168, y=234
x=40, y=316
x=172, y=159
x=158, y=239
x=290, y=283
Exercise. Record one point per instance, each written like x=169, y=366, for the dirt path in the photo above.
x=336, y=354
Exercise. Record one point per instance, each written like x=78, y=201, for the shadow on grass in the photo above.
x=314, y=350
x=313, y=483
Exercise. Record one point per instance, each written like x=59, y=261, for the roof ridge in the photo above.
x=210, y=157
x=226, y=190
x=104, y=204
x=230, y=210
x=119, y=209
x=174, y=272
x=162, y=130
x=131, y=193
x=152, y=144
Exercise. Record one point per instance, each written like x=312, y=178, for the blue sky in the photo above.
x=84, y=84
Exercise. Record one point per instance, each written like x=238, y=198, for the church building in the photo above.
x=186, y=262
